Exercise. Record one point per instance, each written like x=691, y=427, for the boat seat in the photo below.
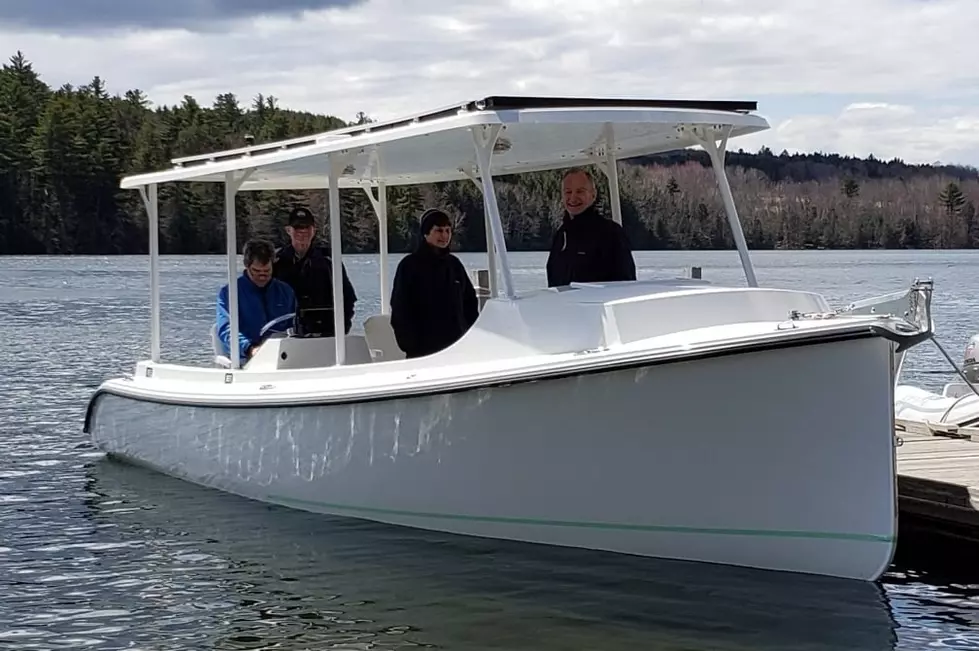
x=220, y=359
x=380, y=339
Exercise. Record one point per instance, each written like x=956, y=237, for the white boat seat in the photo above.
x=220, y=359
x=380, y=339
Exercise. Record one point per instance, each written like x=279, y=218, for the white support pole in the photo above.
x=494, y=278
x=151, y=202
x=380, y=204
x=339, y=336
x=382, y=236
x=612, y=173
x=717, y=153
x=231, y=246
x=484, y=139
x=494, y=283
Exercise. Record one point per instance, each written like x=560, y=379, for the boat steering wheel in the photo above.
x=274, y=322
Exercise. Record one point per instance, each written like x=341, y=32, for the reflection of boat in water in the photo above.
x=233, y=569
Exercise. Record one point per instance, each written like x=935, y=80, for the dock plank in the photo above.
x=938, y=479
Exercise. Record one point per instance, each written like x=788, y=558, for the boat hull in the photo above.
x=957, y=406
x=777, y=459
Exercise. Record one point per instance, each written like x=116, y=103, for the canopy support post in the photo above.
x=231, y=251
x=612, y=174
x=380, y=204
x=151, y=202
x=494, y=279
x=717, y=153
x=335, y=162
x=484, y=139
x=494, y=282
x=231, y=187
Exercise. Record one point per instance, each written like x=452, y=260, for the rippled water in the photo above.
x=95, y=554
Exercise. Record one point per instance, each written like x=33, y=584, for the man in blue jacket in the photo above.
x=261, y=298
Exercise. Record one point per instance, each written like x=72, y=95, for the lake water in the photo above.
x=95, y=554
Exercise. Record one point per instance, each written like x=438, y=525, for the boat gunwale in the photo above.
x=817, y=337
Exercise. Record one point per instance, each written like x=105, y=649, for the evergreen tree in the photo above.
x=952, y=199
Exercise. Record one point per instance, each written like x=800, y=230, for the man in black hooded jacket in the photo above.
x=433, y=302
x=307, y=267
x=588, y=247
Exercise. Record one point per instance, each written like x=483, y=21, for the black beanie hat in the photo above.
x=431, y=218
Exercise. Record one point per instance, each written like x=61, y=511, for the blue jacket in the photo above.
x=256, y=307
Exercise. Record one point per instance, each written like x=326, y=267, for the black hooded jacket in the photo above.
x=311, y=278
x=589, y=248
x=433, y=302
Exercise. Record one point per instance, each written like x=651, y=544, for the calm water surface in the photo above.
x=98, y=555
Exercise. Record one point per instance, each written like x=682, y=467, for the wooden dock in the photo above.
x=938, y=477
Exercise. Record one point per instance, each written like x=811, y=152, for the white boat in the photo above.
x=954, y=411
x=668, y=418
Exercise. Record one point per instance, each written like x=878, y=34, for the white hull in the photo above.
x=657, y=460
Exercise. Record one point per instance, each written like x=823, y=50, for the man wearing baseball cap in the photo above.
x=306, y=266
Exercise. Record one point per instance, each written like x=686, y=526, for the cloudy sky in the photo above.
x=888, y=77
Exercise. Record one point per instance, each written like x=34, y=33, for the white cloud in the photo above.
x=887, y=131
x=891, y=66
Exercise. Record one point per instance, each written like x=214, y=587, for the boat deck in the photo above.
x=938, y=478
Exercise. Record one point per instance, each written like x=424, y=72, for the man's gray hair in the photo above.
x=258, y=250
x=581, y=170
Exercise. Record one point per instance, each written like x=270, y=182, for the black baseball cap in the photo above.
x=301, y=217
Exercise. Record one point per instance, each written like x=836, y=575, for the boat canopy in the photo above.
x=535, y=134
x=475, y=140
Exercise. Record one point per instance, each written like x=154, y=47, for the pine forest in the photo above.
x=63, y=152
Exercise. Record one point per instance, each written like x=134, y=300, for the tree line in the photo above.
x=63, y=152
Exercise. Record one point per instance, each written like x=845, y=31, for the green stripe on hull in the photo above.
x=610, y=526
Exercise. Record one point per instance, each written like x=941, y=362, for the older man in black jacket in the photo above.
x=307, y=267
x=588, y=247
